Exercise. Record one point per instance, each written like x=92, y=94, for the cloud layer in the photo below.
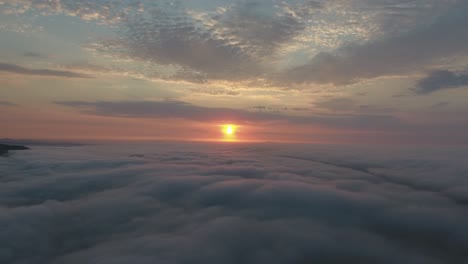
x=195, y=203
x=183, y=110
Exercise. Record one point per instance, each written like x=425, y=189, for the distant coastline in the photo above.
x=32, y=142
x=4, y=148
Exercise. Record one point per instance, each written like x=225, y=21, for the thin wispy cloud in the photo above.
x=184, y=110
x=13, y=68
x=33, y=54
x=7, y=103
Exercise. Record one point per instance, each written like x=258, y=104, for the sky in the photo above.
x=336, y=71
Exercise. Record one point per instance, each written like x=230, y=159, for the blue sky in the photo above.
x=392, y=71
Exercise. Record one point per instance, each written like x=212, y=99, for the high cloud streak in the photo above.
x=183, y=110
x=12, y=68
x=6, y=103
x=195, y=203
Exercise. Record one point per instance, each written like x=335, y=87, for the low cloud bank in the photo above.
x=214, y=203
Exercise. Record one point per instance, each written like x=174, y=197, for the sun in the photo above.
x=229, y=130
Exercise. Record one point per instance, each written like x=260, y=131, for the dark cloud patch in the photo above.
x=246, y=203
x=441, y=80
x=12, y=68
x=440, y=105
x=400, y=95
x=396, y=16
x=33, y=54
x=395, y=55
x=371, y=108
x=260, y=107
x=280, y=109
x=216, y=91
x=337, y=104
x=6, y=103
x=349, y=105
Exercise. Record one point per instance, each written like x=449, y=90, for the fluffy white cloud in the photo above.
x=208, y=203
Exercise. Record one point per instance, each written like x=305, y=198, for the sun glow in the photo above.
x=229, y=131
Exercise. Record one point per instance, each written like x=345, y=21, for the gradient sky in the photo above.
x=335, y=71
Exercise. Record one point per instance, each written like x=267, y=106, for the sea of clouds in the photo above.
x=233, y=203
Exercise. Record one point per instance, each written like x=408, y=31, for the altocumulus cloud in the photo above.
x=251, y=41
x=228, y=45
x=194, y=203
